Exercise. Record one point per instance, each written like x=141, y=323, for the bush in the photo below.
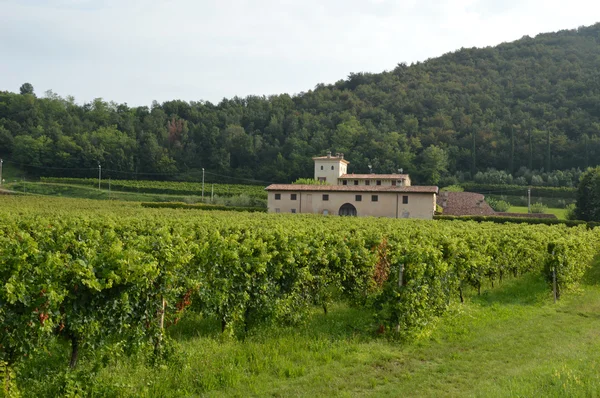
x=539, y=208
x=571, y=211
x=452, y=188
x=310, y=181
x=498, y=205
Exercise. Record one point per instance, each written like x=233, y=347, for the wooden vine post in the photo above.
x=400, y=277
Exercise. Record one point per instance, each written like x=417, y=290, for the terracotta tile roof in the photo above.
x=374, y=176
x=464, y=204
x=352, y=188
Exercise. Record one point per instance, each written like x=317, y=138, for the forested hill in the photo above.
x=532, y=103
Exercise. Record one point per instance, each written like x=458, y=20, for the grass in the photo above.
x=561, y=214
x=83, y=192
x=510, y=341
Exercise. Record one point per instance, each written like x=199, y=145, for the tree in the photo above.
x=434, y=162
x=588, y=196
x=26, y=88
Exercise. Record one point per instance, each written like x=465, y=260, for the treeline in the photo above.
x=533, y=103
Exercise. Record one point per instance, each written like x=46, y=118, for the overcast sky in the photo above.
x=136, y=51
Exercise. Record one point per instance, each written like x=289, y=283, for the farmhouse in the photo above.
x=378, y=195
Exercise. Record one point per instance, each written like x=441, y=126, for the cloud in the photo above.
x=135, y=51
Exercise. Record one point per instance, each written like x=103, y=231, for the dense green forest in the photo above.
x=531, y=104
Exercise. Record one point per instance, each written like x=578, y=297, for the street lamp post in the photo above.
x=99, y=175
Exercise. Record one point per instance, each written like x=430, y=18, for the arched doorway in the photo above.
x=347, y=209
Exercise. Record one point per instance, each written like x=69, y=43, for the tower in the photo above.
x=330, y=168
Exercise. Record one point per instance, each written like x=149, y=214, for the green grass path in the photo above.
x=561, y=214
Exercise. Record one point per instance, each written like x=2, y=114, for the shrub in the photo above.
x=452, y=188
x=498, y=205
x=310, y=181
x=538, y=208
x=571, y=211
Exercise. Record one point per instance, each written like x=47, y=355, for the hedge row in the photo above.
x=522, y=220
x=498, y=189
x=202, y=206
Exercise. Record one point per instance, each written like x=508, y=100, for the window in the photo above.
x=293, y=196
x=277, y=210
x=277, y=196
x=394, y=183
x=367, y=182
x=322, y=178
x=293, y=211
x=355, y=182
x=321, y=167
x=378, y=182
x=331, y=167
x=405, y=199
x=344, y=182
x=374, y=198
x=358, y=198
x=325, y=197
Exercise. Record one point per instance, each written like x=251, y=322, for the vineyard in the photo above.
x=165, y=187
x=102, y=276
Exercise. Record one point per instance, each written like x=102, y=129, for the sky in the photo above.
x=137, y=51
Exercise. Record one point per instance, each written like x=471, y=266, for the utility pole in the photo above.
x=528, y=200
x=99, y=175
x=212, y=193
x=108, y=187
x=203, y=184
x=1, y=161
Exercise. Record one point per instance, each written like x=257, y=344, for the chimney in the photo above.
x=329, y=154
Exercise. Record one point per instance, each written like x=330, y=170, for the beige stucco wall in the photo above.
x=420, y=205
x=372, y=182
x=339, y=168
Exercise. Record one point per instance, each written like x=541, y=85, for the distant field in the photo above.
x=559, y=213
x=84, y=191
x=166, y=187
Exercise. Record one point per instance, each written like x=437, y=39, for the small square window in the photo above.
x=367, y=182
x=344, y=182
x=405, y=199
x=322, y=178
x=277, y=210
x=378, y=182
x=293, y=211
x=325, y=197
x=355, y=182
x=394, y=183
x=374, y=198
x=277, y=196
x=358, y=198
x=293, y=196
